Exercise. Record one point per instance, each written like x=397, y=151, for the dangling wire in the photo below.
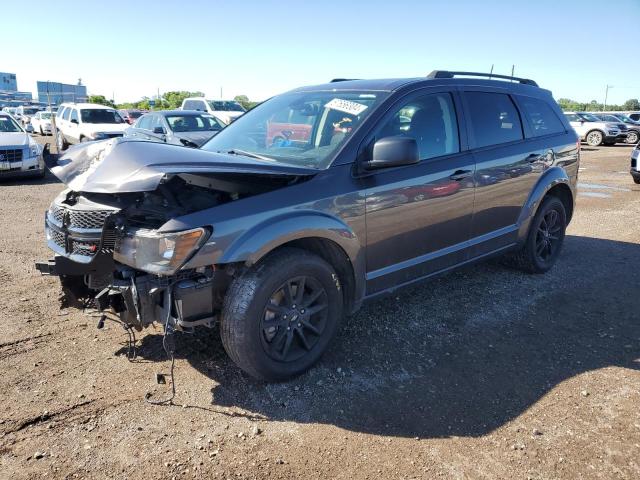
x=168, y=329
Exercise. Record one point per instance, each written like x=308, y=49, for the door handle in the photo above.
x=460, y=174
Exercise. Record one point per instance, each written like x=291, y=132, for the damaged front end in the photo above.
x=106, y=230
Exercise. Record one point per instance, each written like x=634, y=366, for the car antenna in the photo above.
x=513, y=67
x=491, y=72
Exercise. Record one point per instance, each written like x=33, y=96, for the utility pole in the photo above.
x=606, y=96
x=220, y=93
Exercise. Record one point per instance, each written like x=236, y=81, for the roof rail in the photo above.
x=334, y=80
x=447, y=74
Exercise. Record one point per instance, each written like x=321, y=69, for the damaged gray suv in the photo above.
x=310, y=204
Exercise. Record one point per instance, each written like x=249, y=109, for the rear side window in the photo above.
x=494, y=118
x=541, y=116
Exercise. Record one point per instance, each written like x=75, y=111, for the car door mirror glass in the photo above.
x=393, y=152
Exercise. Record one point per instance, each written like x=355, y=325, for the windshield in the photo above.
x=194, y=123
x=625, y=118
x=8, y=125
x=302, y=129
x=45, y=115
x=589, y=118
x=30, y=111
x=135, y=114
x=98, y=115
x=226, y=106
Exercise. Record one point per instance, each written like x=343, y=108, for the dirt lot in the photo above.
x=485, y=373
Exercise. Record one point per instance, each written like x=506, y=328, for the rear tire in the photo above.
x=544, y=239
x=636, y=179
x=279, y=316
x=594, y=138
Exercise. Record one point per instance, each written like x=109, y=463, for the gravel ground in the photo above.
x=484, y=373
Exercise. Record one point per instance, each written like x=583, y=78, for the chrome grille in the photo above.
x=57, y=237
x=11, y=156
x=80, y=218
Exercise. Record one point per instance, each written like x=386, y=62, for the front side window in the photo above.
x=431, y=120
x=99, y=115
x=494, y=118
x=543, y=119
x=321, y=122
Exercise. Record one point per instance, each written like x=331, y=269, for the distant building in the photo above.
x=57, y=93
x=8, y=82
x=9, y=94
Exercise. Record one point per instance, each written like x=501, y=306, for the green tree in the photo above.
x=631, y=104
x=101, y=100
x=245, y=102
x=174, y=99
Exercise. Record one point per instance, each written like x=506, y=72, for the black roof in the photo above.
x=437, y=77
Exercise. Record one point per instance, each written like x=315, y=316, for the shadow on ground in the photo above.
x=460, y=355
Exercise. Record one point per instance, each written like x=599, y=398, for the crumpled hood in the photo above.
x=14, y=139
x=123, y=165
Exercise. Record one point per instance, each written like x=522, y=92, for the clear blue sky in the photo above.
x=260, y=48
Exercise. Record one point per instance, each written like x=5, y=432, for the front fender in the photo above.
x=261, y=239
x=549, y=179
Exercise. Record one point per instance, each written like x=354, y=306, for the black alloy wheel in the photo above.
x=294, y=319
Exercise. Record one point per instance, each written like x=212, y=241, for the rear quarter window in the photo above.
x=541, y=116
x=494, y=118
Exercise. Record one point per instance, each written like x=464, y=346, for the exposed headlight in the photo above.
x=159, y=253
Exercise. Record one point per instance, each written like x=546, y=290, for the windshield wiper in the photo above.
x=244, y=153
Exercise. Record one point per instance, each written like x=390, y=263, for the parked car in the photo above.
x=20, y=155
x=177, y=127
x=41, y=123
x=131, y=115
x=10, y=110
x=635, y=164
x=85, y=122
x=635, y=116
x=633, y=127
x=275, y=243
x=594, y=131
x=24, y=113
x=225, y=110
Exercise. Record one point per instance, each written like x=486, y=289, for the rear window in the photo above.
x=541, y=116
x=494, y=118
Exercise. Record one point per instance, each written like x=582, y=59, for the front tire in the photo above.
x=594, y=138
x=61, y=142
x=279, y=316
x=545, y=238
x=633, y=137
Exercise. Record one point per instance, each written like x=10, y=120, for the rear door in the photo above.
x=510, y=160
x=418, y=217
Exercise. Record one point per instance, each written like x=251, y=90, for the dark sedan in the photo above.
x=177, y=127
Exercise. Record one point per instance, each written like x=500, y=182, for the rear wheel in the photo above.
x=545, y=237
x=279, y=316
x=595, y=138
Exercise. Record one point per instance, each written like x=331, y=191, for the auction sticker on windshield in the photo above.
x=346, y=106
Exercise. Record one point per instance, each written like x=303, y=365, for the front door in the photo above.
x=418, y=217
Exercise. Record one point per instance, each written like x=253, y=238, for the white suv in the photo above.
x=85, y=122
x=594, y=131
x=225, y=110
